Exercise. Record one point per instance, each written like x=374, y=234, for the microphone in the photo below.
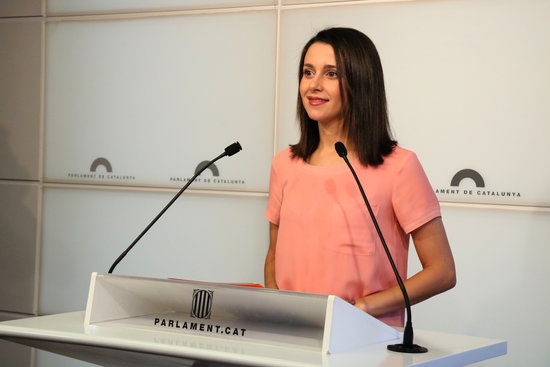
x=228, y=151
x=407, y=346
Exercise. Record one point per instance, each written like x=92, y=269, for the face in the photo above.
x=319, y=86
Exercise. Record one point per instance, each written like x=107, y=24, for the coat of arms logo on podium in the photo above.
x=201, y=306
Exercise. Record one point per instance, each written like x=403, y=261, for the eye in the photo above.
x=332, y=74
x=307, y=72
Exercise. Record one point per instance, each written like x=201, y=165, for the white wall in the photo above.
x=157, y=87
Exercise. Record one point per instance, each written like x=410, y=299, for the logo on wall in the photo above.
x=468, y=173
x=101, y=169
x=215, y=178
x=480, y=192
x=201, y=306
x=213, y=168
x=101, y=162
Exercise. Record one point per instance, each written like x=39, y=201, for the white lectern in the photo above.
x=133, y=321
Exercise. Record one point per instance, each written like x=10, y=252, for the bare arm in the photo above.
x=437, y=274
x=269, y=267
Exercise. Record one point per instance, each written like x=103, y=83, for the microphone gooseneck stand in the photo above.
x=407, y=346
x=229, y=151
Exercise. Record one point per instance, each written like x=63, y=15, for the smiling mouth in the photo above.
x=315, y=101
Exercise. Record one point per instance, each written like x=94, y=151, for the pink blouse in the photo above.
x=327, y=243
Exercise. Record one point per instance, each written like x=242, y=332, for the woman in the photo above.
x=322, y=239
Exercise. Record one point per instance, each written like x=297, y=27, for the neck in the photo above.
x=325, y=154
x=330, y=133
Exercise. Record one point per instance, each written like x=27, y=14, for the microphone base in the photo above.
x=402, y=348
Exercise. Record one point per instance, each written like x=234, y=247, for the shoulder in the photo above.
x=399, y=158
x=284, y=167
x=283, y=155
x=401, y=154
x=284, y=159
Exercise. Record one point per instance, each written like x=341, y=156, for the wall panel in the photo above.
x=20, y=8
x=501, y=257
x=152, y=101
x=59, y=7
x=467, y=88
x=18, y=232
x=201, y=237
x=20, y=98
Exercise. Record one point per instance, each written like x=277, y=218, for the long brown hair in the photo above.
x=362, y=89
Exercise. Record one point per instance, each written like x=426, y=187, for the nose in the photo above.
x=316, y=83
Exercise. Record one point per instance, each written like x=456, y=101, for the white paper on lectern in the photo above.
x=350, y=328
x=307, y=321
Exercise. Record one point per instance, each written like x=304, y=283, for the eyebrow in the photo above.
x=324, y=67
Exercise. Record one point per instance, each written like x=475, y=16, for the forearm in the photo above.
x=423, y=285
x=269, y=266
x=269, y=271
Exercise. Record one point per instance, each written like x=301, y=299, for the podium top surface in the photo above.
x=66, y=334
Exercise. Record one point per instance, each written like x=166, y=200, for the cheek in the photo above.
x=302, y=87
x=303, y=92
x=336, y=96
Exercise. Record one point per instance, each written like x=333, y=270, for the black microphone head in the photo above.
x=341, y=149
x=233, y=148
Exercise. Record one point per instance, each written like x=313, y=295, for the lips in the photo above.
x=316, y=101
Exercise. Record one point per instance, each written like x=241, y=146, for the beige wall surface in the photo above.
x=20, y=98
x=20, y=8
x=21, y=80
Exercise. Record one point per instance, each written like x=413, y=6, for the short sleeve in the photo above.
x=413, y=198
